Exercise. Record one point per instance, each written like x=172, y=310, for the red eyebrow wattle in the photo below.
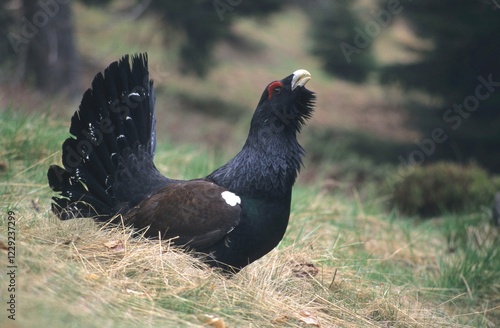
x=271, y=87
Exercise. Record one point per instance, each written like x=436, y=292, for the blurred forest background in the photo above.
x=400, y=84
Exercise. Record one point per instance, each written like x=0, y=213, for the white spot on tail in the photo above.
x=231, y=198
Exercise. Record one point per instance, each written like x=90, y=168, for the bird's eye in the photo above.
x=274, y=89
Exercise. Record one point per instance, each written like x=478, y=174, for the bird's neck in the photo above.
x=266, y=166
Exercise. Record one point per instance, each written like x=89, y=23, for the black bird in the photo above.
x=235, y=215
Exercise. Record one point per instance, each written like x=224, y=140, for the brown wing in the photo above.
x=196, y=213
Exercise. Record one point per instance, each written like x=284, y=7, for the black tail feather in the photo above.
x=75, y=200
x=110, y=156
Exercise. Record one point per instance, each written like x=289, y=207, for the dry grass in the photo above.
x=104, y=276
x=327, y=272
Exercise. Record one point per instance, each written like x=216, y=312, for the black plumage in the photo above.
x=235, y=215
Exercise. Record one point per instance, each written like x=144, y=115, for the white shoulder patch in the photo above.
x=231, y=198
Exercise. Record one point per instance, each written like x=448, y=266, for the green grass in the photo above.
x=474, y=259
x=373, y=268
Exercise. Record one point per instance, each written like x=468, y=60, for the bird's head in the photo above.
x=270, y=160
x=285, y=104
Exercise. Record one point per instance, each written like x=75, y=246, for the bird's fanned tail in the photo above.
x=108, y=161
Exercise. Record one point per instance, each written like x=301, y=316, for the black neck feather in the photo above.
x=267, y=165
x=271, y=158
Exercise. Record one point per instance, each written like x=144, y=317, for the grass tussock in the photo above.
x=426, y=191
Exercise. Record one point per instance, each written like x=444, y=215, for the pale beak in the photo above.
x=300, y=78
